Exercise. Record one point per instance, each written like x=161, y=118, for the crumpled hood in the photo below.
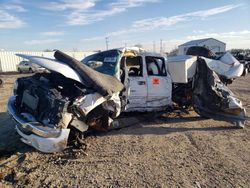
x=104, y=84
x=71, y=68
x=54, y=66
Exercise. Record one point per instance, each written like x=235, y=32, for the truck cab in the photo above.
x=149, y=83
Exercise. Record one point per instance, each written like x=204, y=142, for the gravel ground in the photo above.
x=176, y=150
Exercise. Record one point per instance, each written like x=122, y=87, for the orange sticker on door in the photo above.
x=156, y=81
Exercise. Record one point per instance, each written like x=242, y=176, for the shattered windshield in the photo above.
x=103, y=62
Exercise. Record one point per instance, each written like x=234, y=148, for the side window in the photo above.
x=156, y=66
x=134, y=66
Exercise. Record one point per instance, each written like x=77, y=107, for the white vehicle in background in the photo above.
x=29, y=67
x=81, y=96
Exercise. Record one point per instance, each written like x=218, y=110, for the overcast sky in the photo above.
x=84, y=24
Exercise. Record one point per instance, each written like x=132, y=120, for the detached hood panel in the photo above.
x=54, y=65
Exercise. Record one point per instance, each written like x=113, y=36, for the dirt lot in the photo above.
x=171, y=151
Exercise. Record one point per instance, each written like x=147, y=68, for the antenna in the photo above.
x=161, y=46
x=107, y=43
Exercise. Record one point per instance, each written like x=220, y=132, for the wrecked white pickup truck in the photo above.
x=92, y=93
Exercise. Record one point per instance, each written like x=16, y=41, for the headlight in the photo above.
x=15, y=86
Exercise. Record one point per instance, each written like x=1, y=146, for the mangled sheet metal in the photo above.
x=226, y=65
x=213, y=99
x=92, y=79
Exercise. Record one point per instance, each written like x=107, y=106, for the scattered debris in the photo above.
x=7, y=167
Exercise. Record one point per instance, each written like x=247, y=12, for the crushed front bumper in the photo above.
x=43, y=138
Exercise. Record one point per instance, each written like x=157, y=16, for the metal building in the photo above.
x=214, y=45
x=8, y=60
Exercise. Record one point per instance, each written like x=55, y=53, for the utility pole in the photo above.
x=161, y=46
x=107, y=43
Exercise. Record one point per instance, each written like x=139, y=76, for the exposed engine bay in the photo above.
x=48, y=97
x=55, y=100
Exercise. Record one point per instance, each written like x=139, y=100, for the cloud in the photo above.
x=84, y=18
x=53, y=33
x=70, y=5
x=213, y=11
x=93, y=39
x=233, y=39
x=8, y=21
x=162, y=22
x=46, y=41
x=198, y=31
x=222, y=35
x=153, y=23
x=82, y=12
x=13, y=7
x=124, y=4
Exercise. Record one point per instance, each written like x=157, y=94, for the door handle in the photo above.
x=141, y=83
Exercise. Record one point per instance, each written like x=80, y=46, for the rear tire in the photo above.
x=200, y=51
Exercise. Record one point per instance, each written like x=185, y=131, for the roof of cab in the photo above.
x=140, y=51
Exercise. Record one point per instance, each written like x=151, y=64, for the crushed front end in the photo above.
x=42, y=108
x=48, y=106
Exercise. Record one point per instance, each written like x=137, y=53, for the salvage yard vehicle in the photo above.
x=91, y=94
x=27, y=66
